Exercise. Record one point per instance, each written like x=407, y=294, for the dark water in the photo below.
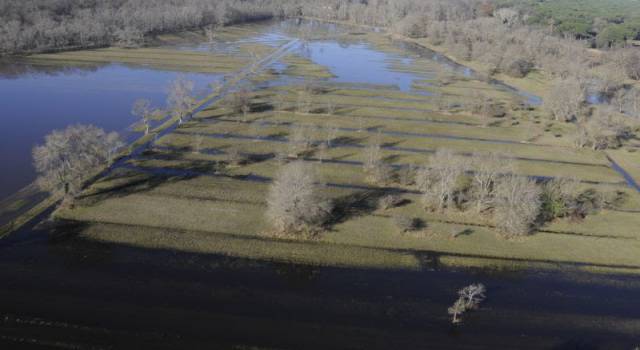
x=60, y=289
x=35, y=103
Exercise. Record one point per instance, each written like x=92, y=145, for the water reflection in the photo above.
x=38, y=99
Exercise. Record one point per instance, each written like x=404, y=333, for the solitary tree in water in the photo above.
x=70, y=156
x=180, y=101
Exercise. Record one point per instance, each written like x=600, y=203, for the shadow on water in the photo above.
x=110, y=295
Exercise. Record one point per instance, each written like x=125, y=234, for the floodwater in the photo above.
x=36, y=102
x=59, y=290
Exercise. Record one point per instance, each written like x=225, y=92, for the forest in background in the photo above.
x=502, y=39
x=603, y=23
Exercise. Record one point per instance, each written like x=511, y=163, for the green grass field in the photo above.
x=174, y=196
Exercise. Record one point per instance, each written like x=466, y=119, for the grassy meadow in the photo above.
x=184, y=193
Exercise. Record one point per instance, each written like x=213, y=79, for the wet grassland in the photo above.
x=176, y=232
x=187, y=192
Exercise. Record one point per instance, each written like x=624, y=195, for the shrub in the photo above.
x=519, y=68
x=406, y=223
x=389, y=201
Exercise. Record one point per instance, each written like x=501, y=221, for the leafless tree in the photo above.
x=565, y=99
x=180, y=100
x=602, y=130
x=71, y=156
x=128, y=37
x=473, y=295
x=294, y=205
x=304, y=101
x=457, y=309
x=631, y=63
x=210, y=33
x=331, y=107
x=487, y=168
x=332, y=134
x=439, y=179
x=142, y=109
x=198, y=140
x=279, y=101
x=377, y=170
x=300, y=138
x=516, y=205
x=240, y=102
x=469, y=298
x=323, y=152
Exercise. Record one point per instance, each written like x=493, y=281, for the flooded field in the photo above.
x=169, y=248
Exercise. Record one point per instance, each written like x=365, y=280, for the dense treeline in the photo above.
x=471, y=30
x=40, y=25
x=602, y=22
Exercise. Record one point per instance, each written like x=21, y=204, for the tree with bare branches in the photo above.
x=565, y=99
x=180, y=100
x=516, y=205
x=294, y=205
x=439, y=179
x=377, y=170
x=300, y=138
x=142, y=109
x=486, y=170
x=71, y=156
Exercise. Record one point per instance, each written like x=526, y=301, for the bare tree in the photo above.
x=457, y=309
x=517, y=204
x=631, y=63
x=323, y=152
x=128, y=37
x=294, y=205
x=142, y=109
x=240, y=102
x=71, y=156
x=300, y=138
x=332, y=134
x=486, y=171
x=439, y=179
x=565, y=99
x=198, y=140
x=374, y=164
x=210, y=33
x=603, y=130
x=469, y=298
x=473, y=295
x=304, y=101
x=279, y=101
x=180, y=100
x=331, y=107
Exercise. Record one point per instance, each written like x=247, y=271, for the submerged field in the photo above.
x=183, y=193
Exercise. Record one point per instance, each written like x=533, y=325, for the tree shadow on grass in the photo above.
x=136, y=183
x=355, y=204
x=348, y=141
